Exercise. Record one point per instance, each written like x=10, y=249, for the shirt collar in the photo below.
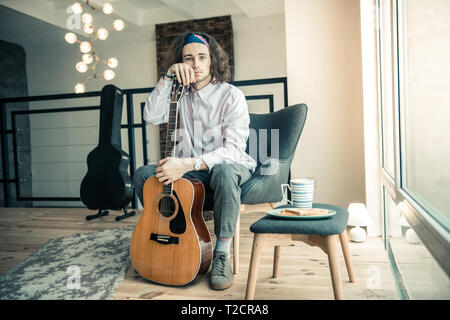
x=206, y=90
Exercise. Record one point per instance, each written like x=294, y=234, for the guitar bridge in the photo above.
x=163, y=239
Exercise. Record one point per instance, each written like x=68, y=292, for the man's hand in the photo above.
x=184, y=73
x=171, y=169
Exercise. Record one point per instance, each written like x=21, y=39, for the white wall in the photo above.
x=371, y=119
x=61, y=142
x=259, y=47
x=51, y=68
x=323, y=48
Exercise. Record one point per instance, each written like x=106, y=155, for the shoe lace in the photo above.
x=218, y=267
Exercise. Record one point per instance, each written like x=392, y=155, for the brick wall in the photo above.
x=218, y=27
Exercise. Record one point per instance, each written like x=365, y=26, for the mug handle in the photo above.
x=284, y=193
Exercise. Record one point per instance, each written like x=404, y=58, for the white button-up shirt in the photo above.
x=214, y=122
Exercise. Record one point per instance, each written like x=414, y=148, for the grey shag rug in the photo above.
x=87, y=266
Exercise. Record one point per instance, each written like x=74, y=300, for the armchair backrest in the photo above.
x=264, y=142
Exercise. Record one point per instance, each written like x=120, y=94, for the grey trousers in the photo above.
x=225, y=180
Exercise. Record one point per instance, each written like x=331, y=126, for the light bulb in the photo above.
x=107, y=8
x=113, y=63
x=88, y=28
x=80, y=88
x=109, y=74
x=77, y=8
x=81, y=67
x=118, y=25
x=85, y=47
x=86, y=18
x=87, y=58
x=102, y=34
x=71, y=37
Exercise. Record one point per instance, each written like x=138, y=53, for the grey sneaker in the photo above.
x=221, y=274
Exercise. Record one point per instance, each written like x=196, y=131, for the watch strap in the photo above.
x=168, y=75
x=197, y=164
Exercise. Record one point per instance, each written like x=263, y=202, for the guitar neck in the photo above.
x=111, y=102
x=170, y=140
x=171, y=130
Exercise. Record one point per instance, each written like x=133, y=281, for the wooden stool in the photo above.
x=323, y=233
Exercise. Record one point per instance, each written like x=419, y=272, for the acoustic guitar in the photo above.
x=171, y=244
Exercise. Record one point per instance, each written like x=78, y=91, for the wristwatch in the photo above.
x=197, y=164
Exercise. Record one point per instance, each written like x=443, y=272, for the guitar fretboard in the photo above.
x=171, y=130
x=170, y=140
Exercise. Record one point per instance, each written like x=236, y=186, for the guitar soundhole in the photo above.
x=166, y=206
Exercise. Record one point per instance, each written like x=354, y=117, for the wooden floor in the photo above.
x=304, y=272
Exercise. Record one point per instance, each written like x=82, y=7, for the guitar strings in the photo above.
x=165, y=202
x=163, y=205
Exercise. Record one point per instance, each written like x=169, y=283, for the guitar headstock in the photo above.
x=177, y=91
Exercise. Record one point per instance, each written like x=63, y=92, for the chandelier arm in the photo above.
x=86, y=2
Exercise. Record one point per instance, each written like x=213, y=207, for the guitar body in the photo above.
x=171, y=243
x=107, y=184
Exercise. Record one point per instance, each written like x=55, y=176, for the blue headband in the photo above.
x=195, y=38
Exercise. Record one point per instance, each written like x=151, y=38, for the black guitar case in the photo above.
x=107, y=184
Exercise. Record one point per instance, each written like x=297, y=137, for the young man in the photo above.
x=214, y=125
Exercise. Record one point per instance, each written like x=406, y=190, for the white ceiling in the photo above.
x=45, y=21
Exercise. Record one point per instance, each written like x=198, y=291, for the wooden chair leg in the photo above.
x=236, y=240
x=333, y=260
x=276, y=260
x=258, y=242
x=348, y=262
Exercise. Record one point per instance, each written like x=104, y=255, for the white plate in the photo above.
x=276, y=213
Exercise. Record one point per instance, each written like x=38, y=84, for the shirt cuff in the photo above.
x=164, y=83
x=210, y=160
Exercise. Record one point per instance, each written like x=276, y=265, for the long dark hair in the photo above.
x=220, y=67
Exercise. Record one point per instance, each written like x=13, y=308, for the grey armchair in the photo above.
x=272, y=170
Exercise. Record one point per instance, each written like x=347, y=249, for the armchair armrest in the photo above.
x=265, y=185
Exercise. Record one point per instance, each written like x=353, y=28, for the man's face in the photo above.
x=197, y=56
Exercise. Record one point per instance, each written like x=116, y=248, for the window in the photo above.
x=414, y=101
x=424, y=43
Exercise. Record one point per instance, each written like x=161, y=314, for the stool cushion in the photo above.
x=334, y=225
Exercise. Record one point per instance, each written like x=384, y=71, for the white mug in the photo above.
x=302, y=192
